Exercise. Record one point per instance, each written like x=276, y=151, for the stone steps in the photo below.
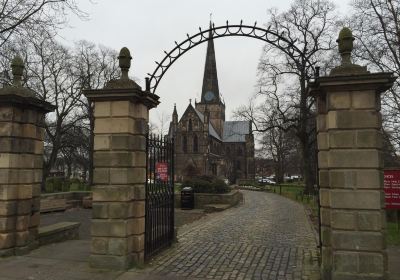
x=58, y=232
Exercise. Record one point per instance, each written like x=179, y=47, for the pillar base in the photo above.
x=7, y=252
x=340, y=276
x=110, y=262
x=138, y=258
x=20, y=251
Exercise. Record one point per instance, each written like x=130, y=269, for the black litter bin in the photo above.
x=187, y=198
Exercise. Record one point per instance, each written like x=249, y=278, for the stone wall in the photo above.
x=73, y=199
x=202, y=199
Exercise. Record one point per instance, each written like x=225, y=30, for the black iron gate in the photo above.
x=159, y=232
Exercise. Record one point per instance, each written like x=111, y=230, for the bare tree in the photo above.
x=376, y=25
x=59, y=75
x=280, y=146
x=75, y=150
x=162, y=125
x=21, y=18
x=310, y=25
x=152, y=129
x=50, y=68
x=93, y=67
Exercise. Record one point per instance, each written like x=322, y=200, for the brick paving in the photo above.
x=268, y=237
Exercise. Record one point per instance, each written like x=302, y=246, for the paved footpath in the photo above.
x=268, y=237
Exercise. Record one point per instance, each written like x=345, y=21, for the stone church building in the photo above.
x=207, y=144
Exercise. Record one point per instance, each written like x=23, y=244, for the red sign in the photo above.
x=392, y=189
x=162, y=171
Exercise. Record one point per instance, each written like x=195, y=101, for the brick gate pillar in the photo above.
x=350, y=169
x=121, y=122
x=21, y=163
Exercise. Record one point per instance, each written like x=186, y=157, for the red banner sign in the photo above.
x=392, y=189
x=162, y=171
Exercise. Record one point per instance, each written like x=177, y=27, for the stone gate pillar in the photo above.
x=21, y=163
x=121, y=123
x=351, y=169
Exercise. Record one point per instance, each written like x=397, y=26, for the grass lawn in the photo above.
x=295, y=192
x=393, y=234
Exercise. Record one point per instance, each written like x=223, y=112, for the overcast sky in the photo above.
x=149, y=27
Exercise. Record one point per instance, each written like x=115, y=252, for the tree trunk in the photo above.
x=47, y=166
x=304, y=140
x=45, y=174
x=309, y=179
x=69, y=169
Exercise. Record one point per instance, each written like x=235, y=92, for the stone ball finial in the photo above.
x=17, y=69
x=345, y=42
x=124, y=62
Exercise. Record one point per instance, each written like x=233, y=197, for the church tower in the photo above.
x=210, y=96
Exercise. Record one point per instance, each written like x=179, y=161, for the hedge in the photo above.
x=59, y=184
x=206, y=184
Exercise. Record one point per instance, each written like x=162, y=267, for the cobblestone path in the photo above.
x=268, y=237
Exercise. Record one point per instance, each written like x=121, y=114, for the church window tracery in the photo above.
x=185, y=144
x=190, y=125
x=195, y=144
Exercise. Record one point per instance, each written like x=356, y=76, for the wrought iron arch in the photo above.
x=252, y=31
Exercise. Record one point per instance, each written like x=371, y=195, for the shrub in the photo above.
x=54, y=184
x=48, y=186
x=58, y=184
x=206, y=184
x=220, y=186
x=75, y=184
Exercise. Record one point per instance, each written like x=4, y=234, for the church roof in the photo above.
x=211, y=129
x=199, y=114
x=236, y=131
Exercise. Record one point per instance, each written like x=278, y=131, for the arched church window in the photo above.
x=195, y=144
x=240, y=152
x=238, y=167
x=185, y=144
x=190, y=125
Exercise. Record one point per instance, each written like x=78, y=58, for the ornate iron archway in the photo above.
x=252, y=31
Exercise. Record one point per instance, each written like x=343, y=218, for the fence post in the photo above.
x=121, y=112
x=350, y=168
x=21, y=163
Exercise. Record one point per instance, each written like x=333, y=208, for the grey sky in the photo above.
x=149, y=27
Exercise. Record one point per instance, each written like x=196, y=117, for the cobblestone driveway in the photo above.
x=268, y=237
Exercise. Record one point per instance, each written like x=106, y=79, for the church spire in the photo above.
x=210, y=90
x=175, y=115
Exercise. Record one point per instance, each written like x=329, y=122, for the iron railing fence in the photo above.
x=159, y=225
